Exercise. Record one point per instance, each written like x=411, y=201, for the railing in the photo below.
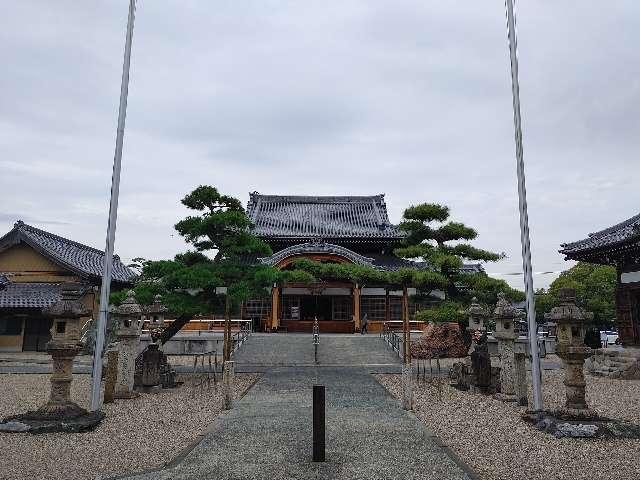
x=316, y=339
x=240, y=337
x=392, y=338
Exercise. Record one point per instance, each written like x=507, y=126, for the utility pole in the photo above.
x=522, y=203
x=105, y=289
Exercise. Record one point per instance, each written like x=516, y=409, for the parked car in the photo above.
x=609, y=337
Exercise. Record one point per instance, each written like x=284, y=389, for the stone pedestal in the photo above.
x=127, y=351
x=520, y=358
x=505, y=315
x=227, y=385
x=111, y=376
x=407, y=387
x=127, y=316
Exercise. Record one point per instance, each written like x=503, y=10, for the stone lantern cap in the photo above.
x=129, y=307
x=504, y=310
x=567, y=311
x=476, y=310
x=69, y=306
x=157, y=306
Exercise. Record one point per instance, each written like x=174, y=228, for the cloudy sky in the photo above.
x=407, y=98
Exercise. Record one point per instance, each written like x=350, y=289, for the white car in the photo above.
x=609, y=337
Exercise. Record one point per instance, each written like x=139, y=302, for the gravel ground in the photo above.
x=490, y=437
x=137, y=434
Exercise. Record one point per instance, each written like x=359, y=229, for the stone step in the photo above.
x=297, y=349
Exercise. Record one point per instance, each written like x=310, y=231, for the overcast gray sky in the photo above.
x=407, y=98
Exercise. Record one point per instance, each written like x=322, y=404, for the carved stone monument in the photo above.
x=481, y=364
x=127, y=316
x=151, y=363
x=572, y=325
x=505, y=315
x=60, y=413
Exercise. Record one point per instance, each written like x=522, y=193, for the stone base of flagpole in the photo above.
x=407, y=387
x=227, y=385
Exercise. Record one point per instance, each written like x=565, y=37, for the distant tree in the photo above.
x=595, y=287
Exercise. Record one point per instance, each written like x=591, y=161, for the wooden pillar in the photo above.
x=275, y=307
x=405, y=324
x=356, y=307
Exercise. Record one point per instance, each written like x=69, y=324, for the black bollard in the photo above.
x=318, y=423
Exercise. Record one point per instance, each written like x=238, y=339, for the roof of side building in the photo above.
x=85, y=261
x=608, y=239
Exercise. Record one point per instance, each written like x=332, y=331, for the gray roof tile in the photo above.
x=81, y=259
x=29, y=295
x=626, y=231
x=306, y=217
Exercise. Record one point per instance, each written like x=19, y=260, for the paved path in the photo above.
x=268, y=434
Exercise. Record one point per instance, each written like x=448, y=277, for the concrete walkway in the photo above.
x=268, y=434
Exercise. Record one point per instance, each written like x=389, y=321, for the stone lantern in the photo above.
x=128, y=317
x=156, y=312
x=60, y=413
x=477, y=315
x=505, y=316
x=571, y=329
x=65, y=345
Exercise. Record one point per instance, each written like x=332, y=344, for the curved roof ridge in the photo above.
x=317, y=247
x=24, y=226
x=82, y=259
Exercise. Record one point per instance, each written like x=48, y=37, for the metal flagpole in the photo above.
x=105, y=288
x=524, y=217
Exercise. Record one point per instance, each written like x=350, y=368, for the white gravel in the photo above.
x=491, y=438
x=136, y=434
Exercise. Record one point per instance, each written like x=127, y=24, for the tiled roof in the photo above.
x=29, y=295
x=305, y=217
x=623, y=232
x=81, y=259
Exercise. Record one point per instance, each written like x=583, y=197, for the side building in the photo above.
x=329, y=229
x=618, y=246
x=33, y=266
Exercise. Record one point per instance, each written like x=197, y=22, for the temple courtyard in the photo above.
x=183, y=434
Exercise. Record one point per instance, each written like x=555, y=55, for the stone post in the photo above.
x=111, y=375
x=407, y=387
x=571, y=328
x=505, y=315
x=520, y=357
x=127, y=316
x=64, y=346
x=227, y=385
